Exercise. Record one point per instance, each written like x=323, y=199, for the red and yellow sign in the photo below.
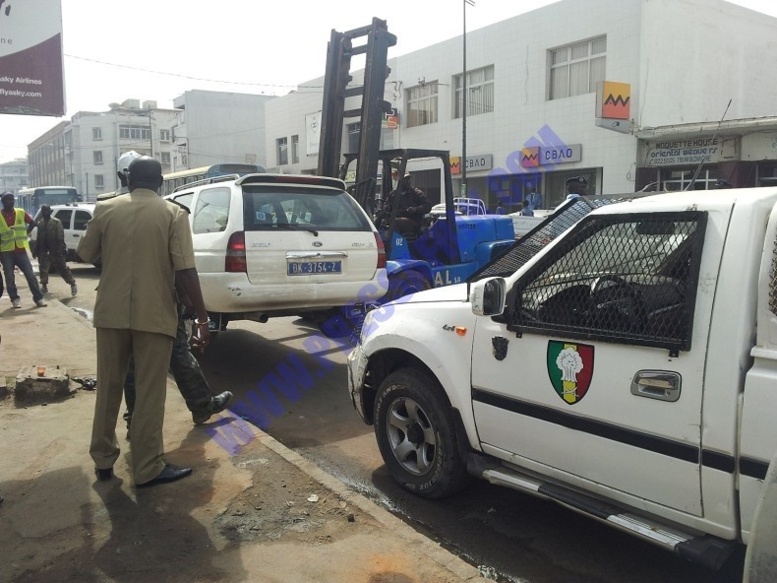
x=455, y=165
x=530, y=157
x=613, y=100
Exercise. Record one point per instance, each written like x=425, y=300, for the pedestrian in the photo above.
x=51, y=250
x=526, y=210
x=14, y=246
x=500, y=209
x=186, y=370
x=532, y=200
x=577, y=186
x=146, y=248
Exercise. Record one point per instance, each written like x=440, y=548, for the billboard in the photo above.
x=31, y=66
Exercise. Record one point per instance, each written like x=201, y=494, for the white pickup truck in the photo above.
x=627, y=369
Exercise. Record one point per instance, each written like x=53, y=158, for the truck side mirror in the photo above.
x=487, y=296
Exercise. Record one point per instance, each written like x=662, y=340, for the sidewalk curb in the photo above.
x=437, y=553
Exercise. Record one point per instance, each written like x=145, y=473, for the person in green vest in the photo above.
x=14, y=249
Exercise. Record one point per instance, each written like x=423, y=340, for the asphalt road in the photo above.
x=289, y=380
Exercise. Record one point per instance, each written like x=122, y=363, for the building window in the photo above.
x=677, y=180
x=133, y=132
x=353, y=130
x=164, y=135
x=422, y=104
x=575, y=69
x=480, y=92
x=97, y=133
x=354, y=133
x=295, y=149
x=282, y=151
x=164, y=158
x=99, y=181
x=97, y=157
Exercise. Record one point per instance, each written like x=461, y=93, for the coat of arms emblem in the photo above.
x=570, y=368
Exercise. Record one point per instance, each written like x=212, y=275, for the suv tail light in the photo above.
x=381, y=251
x=235, y=260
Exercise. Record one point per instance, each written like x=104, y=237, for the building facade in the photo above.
x=83, y=152
x=214, y=127
x=206, y=127
x=13, y=175
x=529, y=100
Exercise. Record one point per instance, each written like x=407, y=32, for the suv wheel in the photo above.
x=416, y=435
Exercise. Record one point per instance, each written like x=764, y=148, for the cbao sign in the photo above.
x=31, y=68
x=474, y=163
x=533, y=157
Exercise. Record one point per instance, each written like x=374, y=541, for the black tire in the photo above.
x=416, y=435
x=404, y=283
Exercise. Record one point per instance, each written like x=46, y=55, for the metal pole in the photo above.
x=464, y=104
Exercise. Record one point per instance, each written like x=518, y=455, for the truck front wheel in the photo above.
x=416, y=435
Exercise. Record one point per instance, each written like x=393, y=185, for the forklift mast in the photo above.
x=333, y=113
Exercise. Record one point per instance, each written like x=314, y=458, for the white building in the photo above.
x=216, y=127
x=83, y=152
x=206, y=127
x=13, y=175
x=531, y=118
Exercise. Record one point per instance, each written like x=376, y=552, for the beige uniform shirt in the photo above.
x=142, y=241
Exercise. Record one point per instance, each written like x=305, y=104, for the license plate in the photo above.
x=314, y=267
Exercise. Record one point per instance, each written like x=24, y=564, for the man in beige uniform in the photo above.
x=146, y=248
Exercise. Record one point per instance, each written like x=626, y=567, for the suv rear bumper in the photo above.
x=233, y=293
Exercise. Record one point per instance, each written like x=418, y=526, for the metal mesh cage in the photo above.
x=625, y=278
x=532, y=243
x=773, y=282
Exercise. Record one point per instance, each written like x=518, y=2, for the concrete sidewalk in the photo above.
x=264, y=514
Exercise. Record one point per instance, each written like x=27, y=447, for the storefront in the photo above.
x=543, y=170
x=738, y=154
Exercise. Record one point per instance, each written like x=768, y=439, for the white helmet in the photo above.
x=126, y=159
x=123, y=164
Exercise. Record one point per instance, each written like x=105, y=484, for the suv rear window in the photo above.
x=268, y=207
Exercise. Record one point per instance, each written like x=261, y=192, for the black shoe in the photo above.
x=169, y=474
x=217, y=405
x=104, y=475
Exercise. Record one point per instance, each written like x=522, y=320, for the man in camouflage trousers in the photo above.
x=51, y=251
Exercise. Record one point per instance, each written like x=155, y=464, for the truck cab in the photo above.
x=626, y=370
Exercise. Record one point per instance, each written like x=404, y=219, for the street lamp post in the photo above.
x=464, y=99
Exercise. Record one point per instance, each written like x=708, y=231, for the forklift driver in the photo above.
x=408, y=205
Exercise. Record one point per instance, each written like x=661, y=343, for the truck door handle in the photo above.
x=664, y=385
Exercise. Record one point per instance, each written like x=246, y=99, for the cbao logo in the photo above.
x=570, y=368
x=530, y=157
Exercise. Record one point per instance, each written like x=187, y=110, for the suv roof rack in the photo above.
x=293, y=179
x=222, y=178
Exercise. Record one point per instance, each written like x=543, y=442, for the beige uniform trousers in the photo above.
x=152, y=360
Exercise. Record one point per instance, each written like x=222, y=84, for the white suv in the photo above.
x=276, y=245
x=73, y=218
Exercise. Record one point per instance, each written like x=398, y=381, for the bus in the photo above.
x=176, y=179
x=31, y=199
